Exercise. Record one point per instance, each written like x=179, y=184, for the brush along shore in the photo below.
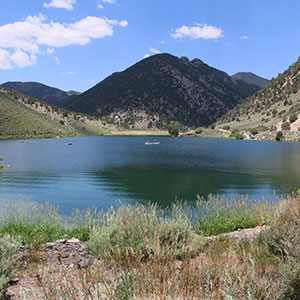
x=145, y=252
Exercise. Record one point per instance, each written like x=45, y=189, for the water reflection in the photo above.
x=101, y=170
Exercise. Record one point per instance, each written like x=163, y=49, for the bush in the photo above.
x=235, y=134
x=141, y=230
x=285, y=126
x=254, y=131
x=199, y=130
x=293, y=118
x=9, y=255
x=279, y=136
x=284, y=240
x=173, y=128
x=226, y=127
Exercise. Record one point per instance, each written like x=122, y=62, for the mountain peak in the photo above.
x=162, y=88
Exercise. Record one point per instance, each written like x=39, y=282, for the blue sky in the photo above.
x=74, y=44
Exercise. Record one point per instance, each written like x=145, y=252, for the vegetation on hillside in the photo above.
x=160, y=89
x=273, y=108
x=25, y=117
x=42, y=92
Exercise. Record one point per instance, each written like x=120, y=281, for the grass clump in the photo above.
x=284, y=241
x=36, y=224
x=9, y=255
x=142, y=230
x=220, y=215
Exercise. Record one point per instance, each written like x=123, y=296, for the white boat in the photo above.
x=152, y=143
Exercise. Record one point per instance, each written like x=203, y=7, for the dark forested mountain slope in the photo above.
x=162, y=88
x=41, y=92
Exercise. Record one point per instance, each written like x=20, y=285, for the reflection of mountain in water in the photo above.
x=164, y=185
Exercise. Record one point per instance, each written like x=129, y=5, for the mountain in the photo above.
x=251, y=78
x=275, y=107
x=41, y=92
x=162, y=88
x=26, y=117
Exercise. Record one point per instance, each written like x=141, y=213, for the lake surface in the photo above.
x=102, y=170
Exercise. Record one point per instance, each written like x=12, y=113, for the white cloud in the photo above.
x=153, y=50
x=66, y=4
x=123, y=23
x=109, y=1
x=162, y=42
x=99, y=6
x=50, y=50
x=200, y=31
x=34, y=33
x=91, y=80
x=244, y=37
x=5, y=62
x=22, y=60
x=146, y=55
x=57, y=60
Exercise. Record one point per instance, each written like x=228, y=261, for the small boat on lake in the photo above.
x=68, y=144
x=152, y=143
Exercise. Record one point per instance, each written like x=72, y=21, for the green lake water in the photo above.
x=103, y=170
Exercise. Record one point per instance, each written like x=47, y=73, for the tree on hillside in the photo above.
x=173, y=128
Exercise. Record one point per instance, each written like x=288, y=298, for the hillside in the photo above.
x=41, y=92
x=251, y=78
x=275, y=107
x=25, y=117
x=162, y=88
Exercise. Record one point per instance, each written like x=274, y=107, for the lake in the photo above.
x=102, y=170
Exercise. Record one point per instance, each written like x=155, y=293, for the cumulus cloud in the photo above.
x=109, y=1
x=244, y=37
x=35, y=32
x=100, y=6
x=5, y=62
x=162, y=42
x=200, y=31
x=66, y=4
x=91, y=80
x=22, y=60
x=146, y=55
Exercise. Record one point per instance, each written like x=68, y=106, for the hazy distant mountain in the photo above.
x=162, y=88
x=41, y=92
x=251, y=79
x=275, y=107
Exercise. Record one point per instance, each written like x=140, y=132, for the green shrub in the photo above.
x=138, y=230
x=235, y=134
x=199, y=130
x=254, y=131
x=285, y=126
x=173, y=128
x=293, y=118
x=9, y=255
x=279, y=136
x=284, y=240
